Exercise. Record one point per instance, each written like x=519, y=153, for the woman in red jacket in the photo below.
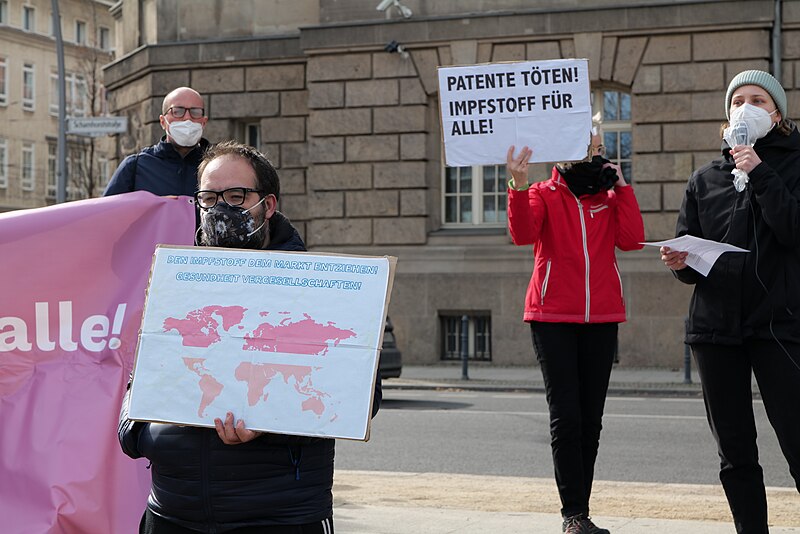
x=574, y=303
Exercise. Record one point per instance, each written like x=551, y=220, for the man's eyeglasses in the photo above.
x=180, y=111
x=235, y=196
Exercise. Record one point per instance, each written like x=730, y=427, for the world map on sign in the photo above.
x=204, y=327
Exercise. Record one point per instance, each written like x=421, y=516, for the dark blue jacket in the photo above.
x=159, y=169
x=203, y=484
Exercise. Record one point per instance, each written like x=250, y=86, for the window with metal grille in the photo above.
x=615, y=108
x=478, y=329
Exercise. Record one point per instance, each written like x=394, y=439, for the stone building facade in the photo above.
x=352, y=123
x=29, y=99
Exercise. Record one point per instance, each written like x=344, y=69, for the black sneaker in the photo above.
x=581, y=524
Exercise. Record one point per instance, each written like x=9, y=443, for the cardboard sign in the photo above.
x=544, y=105
x=287, y=341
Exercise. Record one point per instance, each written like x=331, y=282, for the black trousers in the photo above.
x=576, y=361
x=725, y=372
x=153, y=524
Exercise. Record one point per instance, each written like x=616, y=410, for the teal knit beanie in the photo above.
x=762, y=79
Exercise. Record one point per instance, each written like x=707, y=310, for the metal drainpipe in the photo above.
x=776, y=42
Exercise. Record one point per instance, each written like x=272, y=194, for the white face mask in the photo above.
x=185, y=133
x=755, y=121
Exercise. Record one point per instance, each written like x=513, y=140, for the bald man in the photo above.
x=169, y=167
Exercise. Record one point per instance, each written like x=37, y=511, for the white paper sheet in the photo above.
x=703, y=253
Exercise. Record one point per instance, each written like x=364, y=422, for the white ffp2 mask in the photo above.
x=185, y=133
x=758, y=122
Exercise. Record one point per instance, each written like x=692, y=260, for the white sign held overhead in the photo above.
x=96, y=126
x=544, y=105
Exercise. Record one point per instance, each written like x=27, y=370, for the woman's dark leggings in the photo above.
x=576, y=361
x=726, y=373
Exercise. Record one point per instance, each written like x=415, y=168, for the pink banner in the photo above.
x=72, y=286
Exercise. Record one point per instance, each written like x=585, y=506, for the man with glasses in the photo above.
x=230, y=478
x=170, y=166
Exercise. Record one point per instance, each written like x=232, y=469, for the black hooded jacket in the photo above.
x=201, y=483
x=755, y=294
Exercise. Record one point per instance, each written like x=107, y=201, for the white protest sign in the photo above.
x=541, y=104
x=288, y=342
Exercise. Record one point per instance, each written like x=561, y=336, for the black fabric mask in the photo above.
x=589, y=177
x=230, y=227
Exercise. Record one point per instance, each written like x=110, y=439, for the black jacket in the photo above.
x=747, y=295
x=159, y=169
x=201, y=483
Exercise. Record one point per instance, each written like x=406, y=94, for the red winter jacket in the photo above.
x=575, y=274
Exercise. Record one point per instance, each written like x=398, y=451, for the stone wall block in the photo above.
x=340, y=176
x=649, y=196
x=411, y=92
x=708, y=106
x=400, y=119
x=294, y=103
x=222, y=80
x=567, y=48
x=372, y=203
x=400, y=175
x=542, y=50
x=330, y=232
x=243, y=105
x=412, y=146
x=326, y=204
x=508, y=52
x=345, y=121
x=648, y=80
x=691, y=136
x=427, y=60
x=273, y=153
x=445, y=57
x=275, y=77
x=732, y=68
x=647, y=138
x=294, y=155
x=464, y=52
x=661, y=167
x=295, y=207
x=484, y=52
x=387, y=65
x=293, y=181
x=325, y=149
x=339, y=67
x=673, y=195
x=162, y=82
x=629, y=53
x=372, y=93
x=787, y=74
x=709, y=46
x=659, y=226
x=661, y=108
x=413, y=202
x=609, y=52
x=283, y=129
x=668, y=49
x=590, y=45
x=326, y=95
x=372, y=148
x=217, y=130
x=791, y=44
x=693, y=77
x=403, y=231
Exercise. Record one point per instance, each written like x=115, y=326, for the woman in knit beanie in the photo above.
x=744, y=317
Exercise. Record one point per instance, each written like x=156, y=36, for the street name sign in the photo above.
x=96, y=126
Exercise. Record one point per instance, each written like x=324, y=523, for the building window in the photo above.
x=80, y=98
x=80, y=32
x=615, y=108
x=3, y=163
x=475, y=195
x=28, y=18
x=3, y=11
x=28, y=87
x=250, y=134
x=52, y=150
x=103, y=169
x=478, y=335
x=3, y=81
x=28, y=176
x=103, y=38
